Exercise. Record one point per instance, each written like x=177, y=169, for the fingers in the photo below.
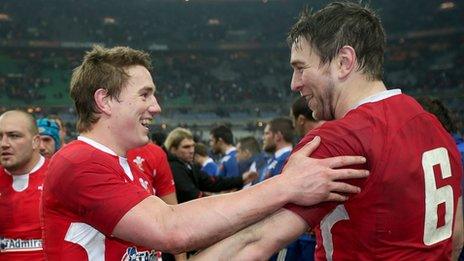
x=339, y=174
x=340, y=187
x=336, y=197
x=310, y=147
x=341, y=161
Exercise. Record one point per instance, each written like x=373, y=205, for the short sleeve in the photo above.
x=98, y=194
x=163, y=181
x=334, y=142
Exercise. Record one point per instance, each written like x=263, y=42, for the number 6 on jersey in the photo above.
x=435, y=196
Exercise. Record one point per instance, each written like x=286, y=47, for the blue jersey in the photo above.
x=229, y=166
x=460, y=143
x=210, y=167
x=276, y=164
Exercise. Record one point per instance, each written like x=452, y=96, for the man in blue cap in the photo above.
x=49, y=137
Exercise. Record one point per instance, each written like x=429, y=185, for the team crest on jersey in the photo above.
x=133, y=255
x=138, y=161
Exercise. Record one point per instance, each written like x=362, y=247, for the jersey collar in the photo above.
x=97, y=145
x=230, y=150
x=281, y=151
x=377, y=97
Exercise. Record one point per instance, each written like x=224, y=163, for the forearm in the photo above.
x=201, y=222
x=217, y=217
x=259, y=241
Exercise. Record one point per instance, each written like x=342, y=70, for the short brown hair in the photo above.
x=251, y=144
x=283, y=125
x=340, y=24
x=201, y=149
x=102, y=68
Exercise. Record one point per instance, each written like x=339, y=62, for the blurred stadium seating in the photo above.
x=215, y=61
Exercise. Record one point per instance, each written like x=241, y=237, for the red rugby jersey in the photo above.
x=407, y=205
x=152, y=160
x=20, y=233
x=87, y=191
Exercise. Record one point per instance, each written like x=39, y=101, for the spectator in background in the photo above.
x=191, y=182
x=50, y=141
x=202, y=158
x=62, y=127
x=302, y=116
x=22, y=173
x=222, y=142
x=158, y=138
x=250, y=156
x=277, y=140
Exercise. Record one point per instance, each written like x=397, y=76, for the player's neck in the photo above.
x=282, y=145
x=353, y=92
x=104, y=137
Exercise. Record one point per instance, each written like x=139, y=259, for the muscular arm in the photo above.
x=202, y=222
x=259, y=241
x=458, y=232
x=171, y=199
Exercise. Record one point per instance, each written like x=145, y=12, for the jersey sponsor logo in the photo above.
x=20, y=245
x=133, y=255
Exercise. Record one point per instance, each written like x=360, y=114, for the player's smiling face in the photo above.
x=312, y=79
x=135, y=108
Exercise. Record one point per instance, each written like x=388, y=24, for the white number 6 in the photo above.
x=435, y=196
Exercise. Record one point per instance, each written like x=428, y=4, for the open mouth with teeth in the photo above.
x=307, y=97
x=145, y=122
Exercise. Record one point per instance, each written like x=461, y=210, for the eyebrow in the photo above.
x=11, y=133
x=296, y=63
x=148, y=88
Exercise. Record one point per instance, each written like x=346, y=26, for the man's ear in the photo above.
x=102, y=100
x=278, y=136
x=300, y=120
x=248, y=153
x=36, y=142
x=347, y=61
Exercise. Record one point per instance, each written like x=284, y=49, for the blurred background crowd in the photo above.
x=214, y=61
